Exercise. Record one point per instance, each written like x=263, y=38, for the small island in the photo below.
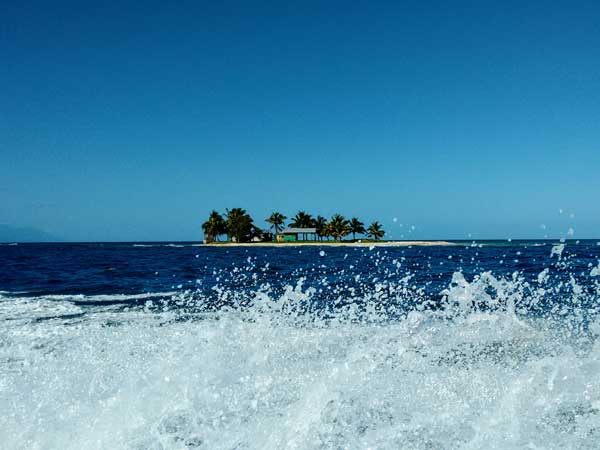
x=303, y=229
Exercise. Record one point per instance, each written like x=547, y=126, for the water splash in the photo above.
x=369, y=361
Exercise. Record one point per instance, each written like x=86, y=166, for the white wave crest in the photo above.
x=473, y=375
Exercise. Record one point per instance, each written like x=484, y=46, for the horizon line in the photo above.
x=562, y=240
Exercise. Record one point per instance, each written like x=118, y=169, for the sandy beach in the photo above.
x=333, y=244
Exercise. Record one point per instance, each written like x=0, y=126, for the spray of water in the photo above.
x=493, y=363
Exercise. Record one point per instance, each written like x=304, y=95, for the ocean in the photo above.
x=480, y=345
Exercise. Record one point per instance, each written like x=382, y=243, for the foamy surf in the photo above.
x=474, y=373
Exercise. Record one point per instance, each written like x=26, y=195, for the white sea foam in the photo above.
x=28, y=309
x=80, y=298
x=473, y=375
x=557, y=250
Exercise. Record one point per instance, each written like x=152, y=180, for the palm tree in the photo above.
x=319, y=224
x=213, y=227
x=239, y=224
x=302, y=220
x=326, y=231
x=339, y=226
x=356, y=226
x=276, y=220
x=375, y=231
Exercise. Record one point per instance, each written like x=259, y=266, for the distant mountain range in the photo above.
x=25, y=234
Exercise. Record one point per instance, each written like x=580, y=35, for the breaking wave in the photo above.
x=493, y=363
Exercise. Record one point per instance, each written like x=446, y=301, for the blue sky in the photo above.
x=132, y=122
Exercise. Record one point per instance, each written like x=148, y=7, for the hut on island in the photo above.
x=293, y=234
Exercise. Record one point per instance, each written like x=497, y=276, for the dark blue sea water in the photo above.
x=178, y=345
x=130, y=269
x=134, y=268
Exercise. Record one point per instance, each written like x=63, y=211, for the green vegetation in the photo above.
x=375, y=231
x=302, y=220
x=214, y=227
x=356, y=226
x=320, y=223
x=239, y=226
x=338, y=227
x=276, y=220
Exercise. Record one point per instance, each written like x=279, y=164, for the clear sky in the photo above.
x=132, y=120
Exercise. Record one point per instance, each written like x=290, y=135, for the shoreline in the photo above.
x=334, y=244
